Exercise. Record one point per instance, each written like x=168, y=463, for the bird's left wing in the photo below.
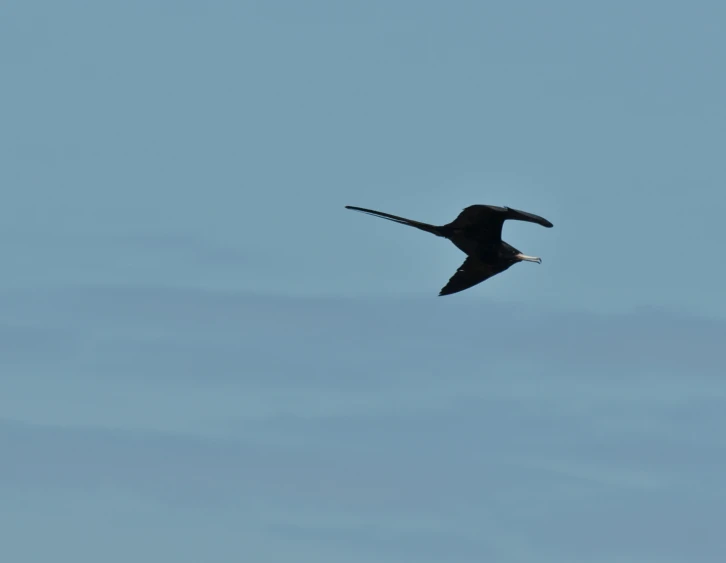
x=484, y=222
x=519, y=215
x=472, y=272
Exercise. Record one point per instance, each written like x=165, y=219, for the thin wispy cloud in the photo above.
x=386, y=429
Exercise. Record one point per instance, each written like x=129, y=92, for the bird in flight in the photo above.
x=477, y=232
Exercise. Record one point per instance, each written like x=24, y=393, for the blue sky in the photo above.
x=204, y=356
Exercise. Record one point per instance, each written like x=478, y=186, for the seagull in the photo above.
x=477, y=232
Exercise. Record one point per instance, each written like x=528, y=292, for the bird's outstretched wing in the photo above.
x=519, y=215
x=472, y=272
x=485, y=222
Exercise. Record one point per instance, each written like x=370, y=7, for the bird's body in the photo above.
x=477, y=232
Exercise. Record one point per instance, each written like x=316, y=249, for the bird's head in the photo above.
x=523, y=257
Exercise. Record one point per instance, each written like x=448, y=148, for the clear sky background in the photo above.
x=205, y=357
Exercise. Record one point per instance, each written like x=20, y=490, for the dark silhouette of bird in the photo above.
x=477, y=232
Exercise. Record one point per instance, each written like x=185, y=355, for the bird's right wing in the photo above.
x=472, y=272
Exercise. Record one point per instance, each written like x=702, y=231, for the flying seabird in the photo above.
x=477, y=232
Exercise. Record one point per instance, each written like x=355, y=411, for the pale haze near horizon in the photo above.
x=205, y=357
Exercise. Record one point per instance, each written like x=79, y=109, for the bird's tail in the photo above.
x=410, y=222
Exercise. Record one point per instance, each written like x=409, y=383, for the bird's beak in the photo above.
x=529, y=258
